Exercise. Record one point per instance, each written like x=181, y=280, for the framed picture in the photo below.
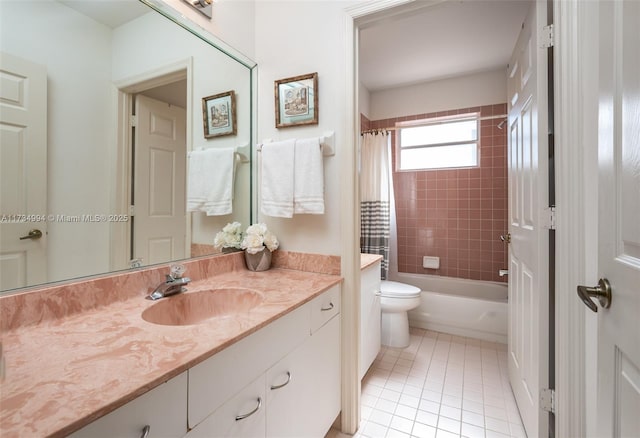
x=297, y=101
x=219, y=114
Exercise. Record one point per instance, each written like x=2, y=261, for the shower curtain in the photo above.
x=376, y=196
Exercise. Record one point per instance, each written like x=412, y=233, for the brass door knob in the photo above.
x=33, y=234
x=602, y=292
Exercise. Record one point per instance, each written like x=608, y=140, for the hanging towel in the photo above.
x=308, y=192
x=277, y=179
x=210, y=181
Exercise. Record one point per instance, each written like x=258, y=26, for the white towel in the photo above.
x=277, y=179
x=210, y=181
x=308, y=192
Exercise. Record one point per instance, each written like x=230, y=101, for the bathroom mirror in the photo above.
x=101, y=104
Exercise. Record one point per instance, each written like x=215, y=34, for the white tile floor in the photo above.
x=440, y=386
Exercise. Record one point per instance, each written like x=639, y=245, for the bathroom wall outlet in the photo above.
x=431, y=262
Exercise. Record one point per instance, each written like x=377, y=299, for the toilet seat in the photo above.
x=393, y=289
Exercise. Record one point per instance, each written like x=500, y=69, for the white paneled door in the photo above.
x=160, y=221
x=23, y=172
x=619, y=219
x=528, y=201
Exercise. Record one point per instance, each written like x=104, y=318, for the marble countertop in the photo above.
x=64, y=373
x=367, y=260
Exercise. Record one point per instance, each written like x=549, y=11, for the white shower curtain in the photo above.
x=376, y=196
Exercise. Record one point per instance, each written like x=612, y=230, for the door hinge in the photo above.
x=547, y=37
x=549, y=218
x=132, y=210
x=548, y=400
x=133, y=121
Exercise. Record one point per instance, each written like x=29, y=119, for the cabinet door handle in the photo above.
x=145, y=431
x=243, y=416
x=284, y=384
x=325, y=309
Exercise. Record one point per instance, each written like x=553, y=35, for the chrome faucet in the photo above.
x=172, y=285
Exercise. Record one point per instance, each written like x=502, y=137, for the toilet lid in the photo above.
x=398, y=290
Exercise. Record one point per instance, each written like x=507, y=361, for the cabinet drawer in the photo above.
x=241, y=416
x=163, y=409
x=218, y=378
x=325, y=307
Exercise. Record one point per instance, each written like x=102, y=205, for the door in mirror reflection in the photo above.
x=23, y=172
x=159, y=176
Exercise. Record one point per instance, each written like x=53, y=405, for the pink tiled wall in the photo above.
x=455, y=214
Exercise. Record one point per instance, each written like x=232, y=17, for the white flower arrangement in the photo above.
x=257, y=237
x=229, y=237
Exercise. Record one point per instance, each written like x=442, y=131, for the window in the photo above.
x=438, y=143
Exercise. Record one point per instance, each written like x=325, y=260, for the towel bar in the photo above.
x=326, y=143
x=240, y=153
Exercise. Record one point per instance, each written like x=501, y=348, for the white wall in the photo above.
x=364, y=101
x=478, y=89
x=77, y=151
x=232, y=22
x=294, y=38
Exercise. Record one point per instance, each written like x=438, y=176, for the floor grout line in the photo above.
x=437, y=371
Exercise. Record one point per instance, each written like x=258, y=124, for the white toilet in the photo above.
x=396, y=299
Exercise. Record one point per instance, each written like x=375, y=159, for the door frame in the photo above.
x=120, y=233
x=354, y=18
x=573, y=167
x=576, y=77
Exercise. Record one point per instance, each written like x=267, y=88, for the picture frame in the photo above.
x=296, y=100
x=219, y=114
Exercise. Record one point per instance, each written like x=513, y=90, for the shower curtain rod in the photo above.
x=501, y=116
x=375, y=131
x=394, y=128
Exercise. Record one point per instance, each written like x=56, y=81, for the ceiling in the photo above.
x=447, y=39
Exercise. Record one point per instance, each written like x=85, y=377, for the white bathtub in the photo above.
x=472, y=308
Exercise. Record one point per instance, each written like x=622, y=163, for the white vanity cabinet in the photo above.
x=217, y=379
x=243, y=415
x=303, y=389
x=293, y=365
x=370, y=316
x=311, y=404
x=163, y=411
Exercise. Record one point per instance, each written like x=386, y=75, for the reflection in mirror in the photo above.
x=101, y=106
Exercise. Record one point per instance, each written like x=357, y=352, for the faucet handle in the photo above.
x=177, y=271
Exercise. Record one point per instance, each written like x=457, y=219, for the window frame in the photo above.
x=470, y=116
